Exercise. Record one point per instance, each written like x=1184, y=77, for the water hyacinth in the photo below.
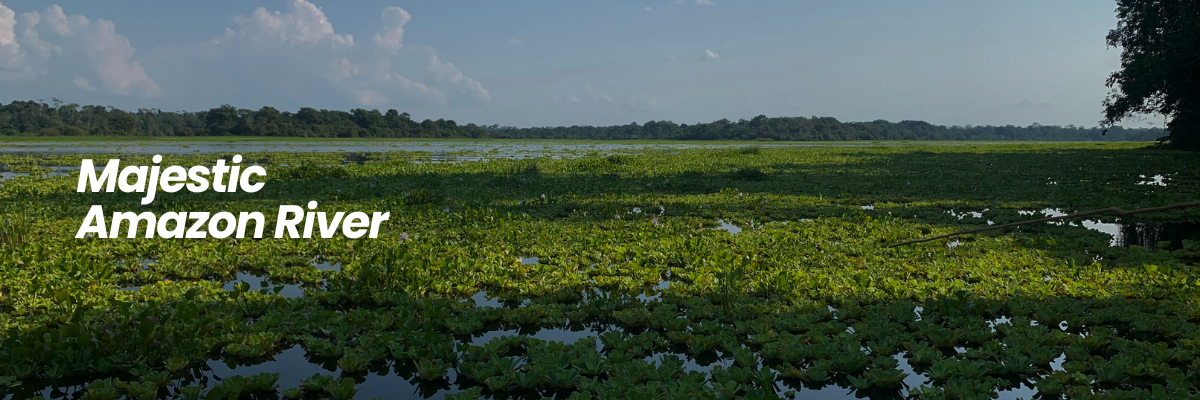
x=503, y=301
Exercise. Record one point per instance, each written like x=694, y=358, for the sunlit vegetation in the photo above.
x=622, y=253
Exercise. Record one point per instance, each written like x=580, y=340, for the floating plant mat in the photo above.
x=621, y=276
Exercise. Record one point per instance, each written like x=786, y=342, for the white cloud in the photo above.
x=703, y=2
x=12, y=59
x=49, y=48
x=303, y=23
x=448, y=74
x=293, y=54
x=344, y=70
x=392, y=34
x=709, y=55
x=514, y=42
x=370, y=98
x=298, y=53
x=648, y=9
x=82, y=83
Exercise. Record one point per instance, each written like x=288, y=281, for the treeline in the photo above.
x=33, y=118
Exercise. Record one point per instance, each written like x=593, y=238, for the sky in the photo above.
x=552, y=63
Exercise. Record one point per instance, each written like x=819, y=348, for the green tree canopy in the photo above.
x=1160, y=66
x=31, y=118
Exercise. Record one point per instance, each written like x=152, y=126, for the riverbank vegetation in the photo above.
x=32, y=118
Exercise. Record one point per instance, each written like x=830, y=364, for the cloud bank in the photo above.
x=301, y=41
x=294, y=52
x=50, y=50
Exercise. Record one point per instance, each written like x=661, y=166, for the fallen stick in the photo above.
x=1118, y=211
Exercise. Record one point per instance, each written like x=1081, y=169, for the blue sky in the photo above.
x=539, y=63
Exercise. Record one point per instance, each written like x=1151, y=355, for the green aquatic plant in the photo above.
x=191, y=392
x=341, y=389
x=525, y=168
x=317, y=382
x=354, y=362
x=807, y=295
x=431, y=369
x=263, y=382
x=292, y=393
x=100, y=389
x=175, y=364
x=750, y=150
x=14, y=232
x=142, y=390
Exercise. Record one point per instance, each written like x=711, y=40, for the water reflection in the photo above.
x=1168, y=236
x=293, y=366
x=62, y=170
x=261, y=283
x=1165, y=236
x=1156, y=180
x=327, y=266
x=564, y=335
x=728, y=227
x=6, y=175
x=396, y=379
x=482, y=299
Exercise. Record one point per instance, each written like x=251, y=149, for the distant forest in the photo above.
x=33, y=118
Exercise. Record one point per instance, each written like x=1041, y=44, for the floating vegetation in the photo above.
x=606, y=276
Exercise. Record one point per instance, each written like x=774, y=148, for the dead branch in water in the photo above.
x=1115, y=210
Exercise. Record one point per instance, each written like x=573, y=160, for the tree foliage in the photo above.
x=1160, y=66
x=30, y=118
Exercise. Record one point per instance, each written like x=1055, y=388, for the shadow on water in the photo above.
x=1167, y=236
x=1149, y=235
